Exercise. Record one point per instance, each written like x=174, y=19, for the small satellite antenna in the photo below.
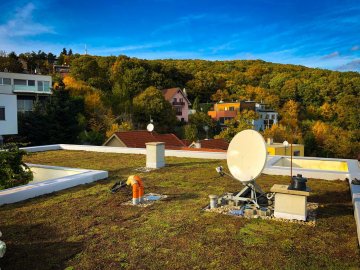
x=150, y=127
x=246, y=159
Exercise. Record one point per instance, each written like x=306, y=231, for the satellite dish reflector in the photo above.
x=150, y=127
x=246, y=155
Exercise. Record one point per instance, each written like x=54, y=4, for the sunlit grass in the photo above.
x=87, y=227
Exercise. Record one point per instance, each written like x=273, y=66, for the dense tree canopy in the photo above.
x=312, y=103
x=56, y=121
x=151, y=103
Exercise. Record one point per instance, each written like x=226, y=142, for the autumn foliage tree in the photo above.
x=243, y=120
x=151, y=103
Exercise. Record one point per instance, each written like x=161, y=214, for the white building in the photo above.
x=27, y=87
x=18, y=92
x=8, y=114
x=267, y=117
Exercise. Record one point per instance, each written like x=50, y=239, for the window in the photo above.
x=297, y=153
x=175, y=100
x=5, y=81
x=25, y=105
x=2, y=113
x=20, y=82
x=231, y=109
x=178, y=111
x=43, y=86
x=31, y=82
x=40, y=86
x=46, y=86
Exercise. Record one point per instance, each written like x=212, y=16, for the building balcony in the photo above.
x=178, y=103
x=31, y=89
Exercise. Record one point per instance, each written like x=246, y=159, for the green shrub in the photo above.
x=13, y=171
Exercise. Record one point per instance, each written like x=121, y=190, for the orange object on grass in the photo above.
x=137, y=187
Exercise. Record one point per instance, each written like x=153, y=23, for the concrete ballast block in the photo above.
x=290, y=204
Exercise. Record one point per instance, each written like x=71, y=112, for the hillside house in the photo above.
x=27, y=88
x=138, y=139
x=223, y=111
x=178, y=99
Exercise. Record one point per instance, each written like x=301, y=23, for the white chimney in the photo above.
x=198, y=144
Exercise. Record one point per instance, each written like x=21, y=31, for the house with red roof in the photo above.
x=138, y=139
x=178, y=99
x=219, y=144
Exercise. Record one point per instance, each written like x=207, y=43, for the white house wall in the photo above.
x=10, y=124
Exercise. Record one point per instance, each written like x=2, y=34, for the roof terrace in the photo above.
x=86, y=226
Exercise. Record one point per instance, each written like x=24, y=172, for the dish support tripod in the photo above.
x=249, y=194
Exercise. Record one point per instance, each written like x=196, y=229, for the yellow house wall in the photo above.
x=226, y=106
x=272, y=150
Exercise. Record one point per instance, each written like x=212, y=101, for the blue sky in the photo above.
x=314, y=33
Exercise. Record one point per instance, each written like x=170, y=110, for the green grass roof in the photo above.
x=87, y=227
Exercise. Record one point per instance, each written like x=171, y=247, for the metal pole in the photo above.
x=291, y=150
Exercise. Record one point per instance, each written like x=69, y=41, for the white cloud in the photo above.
x=351, y=66
x=22, y=24
x=177, y=23
x=129, y=48
x=331, y=55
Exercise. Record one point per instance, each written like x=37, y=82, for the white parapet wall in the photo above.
x=42, y=148
x=354, y=172
x=125, y=150
x=48, y=179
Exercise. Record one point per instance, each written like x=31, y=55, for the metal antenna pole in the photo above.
x=291, y=149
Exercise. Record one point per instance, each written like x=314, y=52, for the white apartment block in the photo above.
x=18, y=92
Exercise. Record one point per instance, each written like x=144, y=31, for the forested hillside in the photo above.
x=317, y=107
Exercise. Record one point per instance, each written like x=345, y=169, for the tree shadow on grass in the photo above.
x=335, y=210
x=35, y=247
x=329, y=197
x=332, y=203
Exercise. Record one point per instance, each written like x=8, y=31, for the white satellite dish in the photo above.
x=246, y=155
x=246, y=159
x=150, y=127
